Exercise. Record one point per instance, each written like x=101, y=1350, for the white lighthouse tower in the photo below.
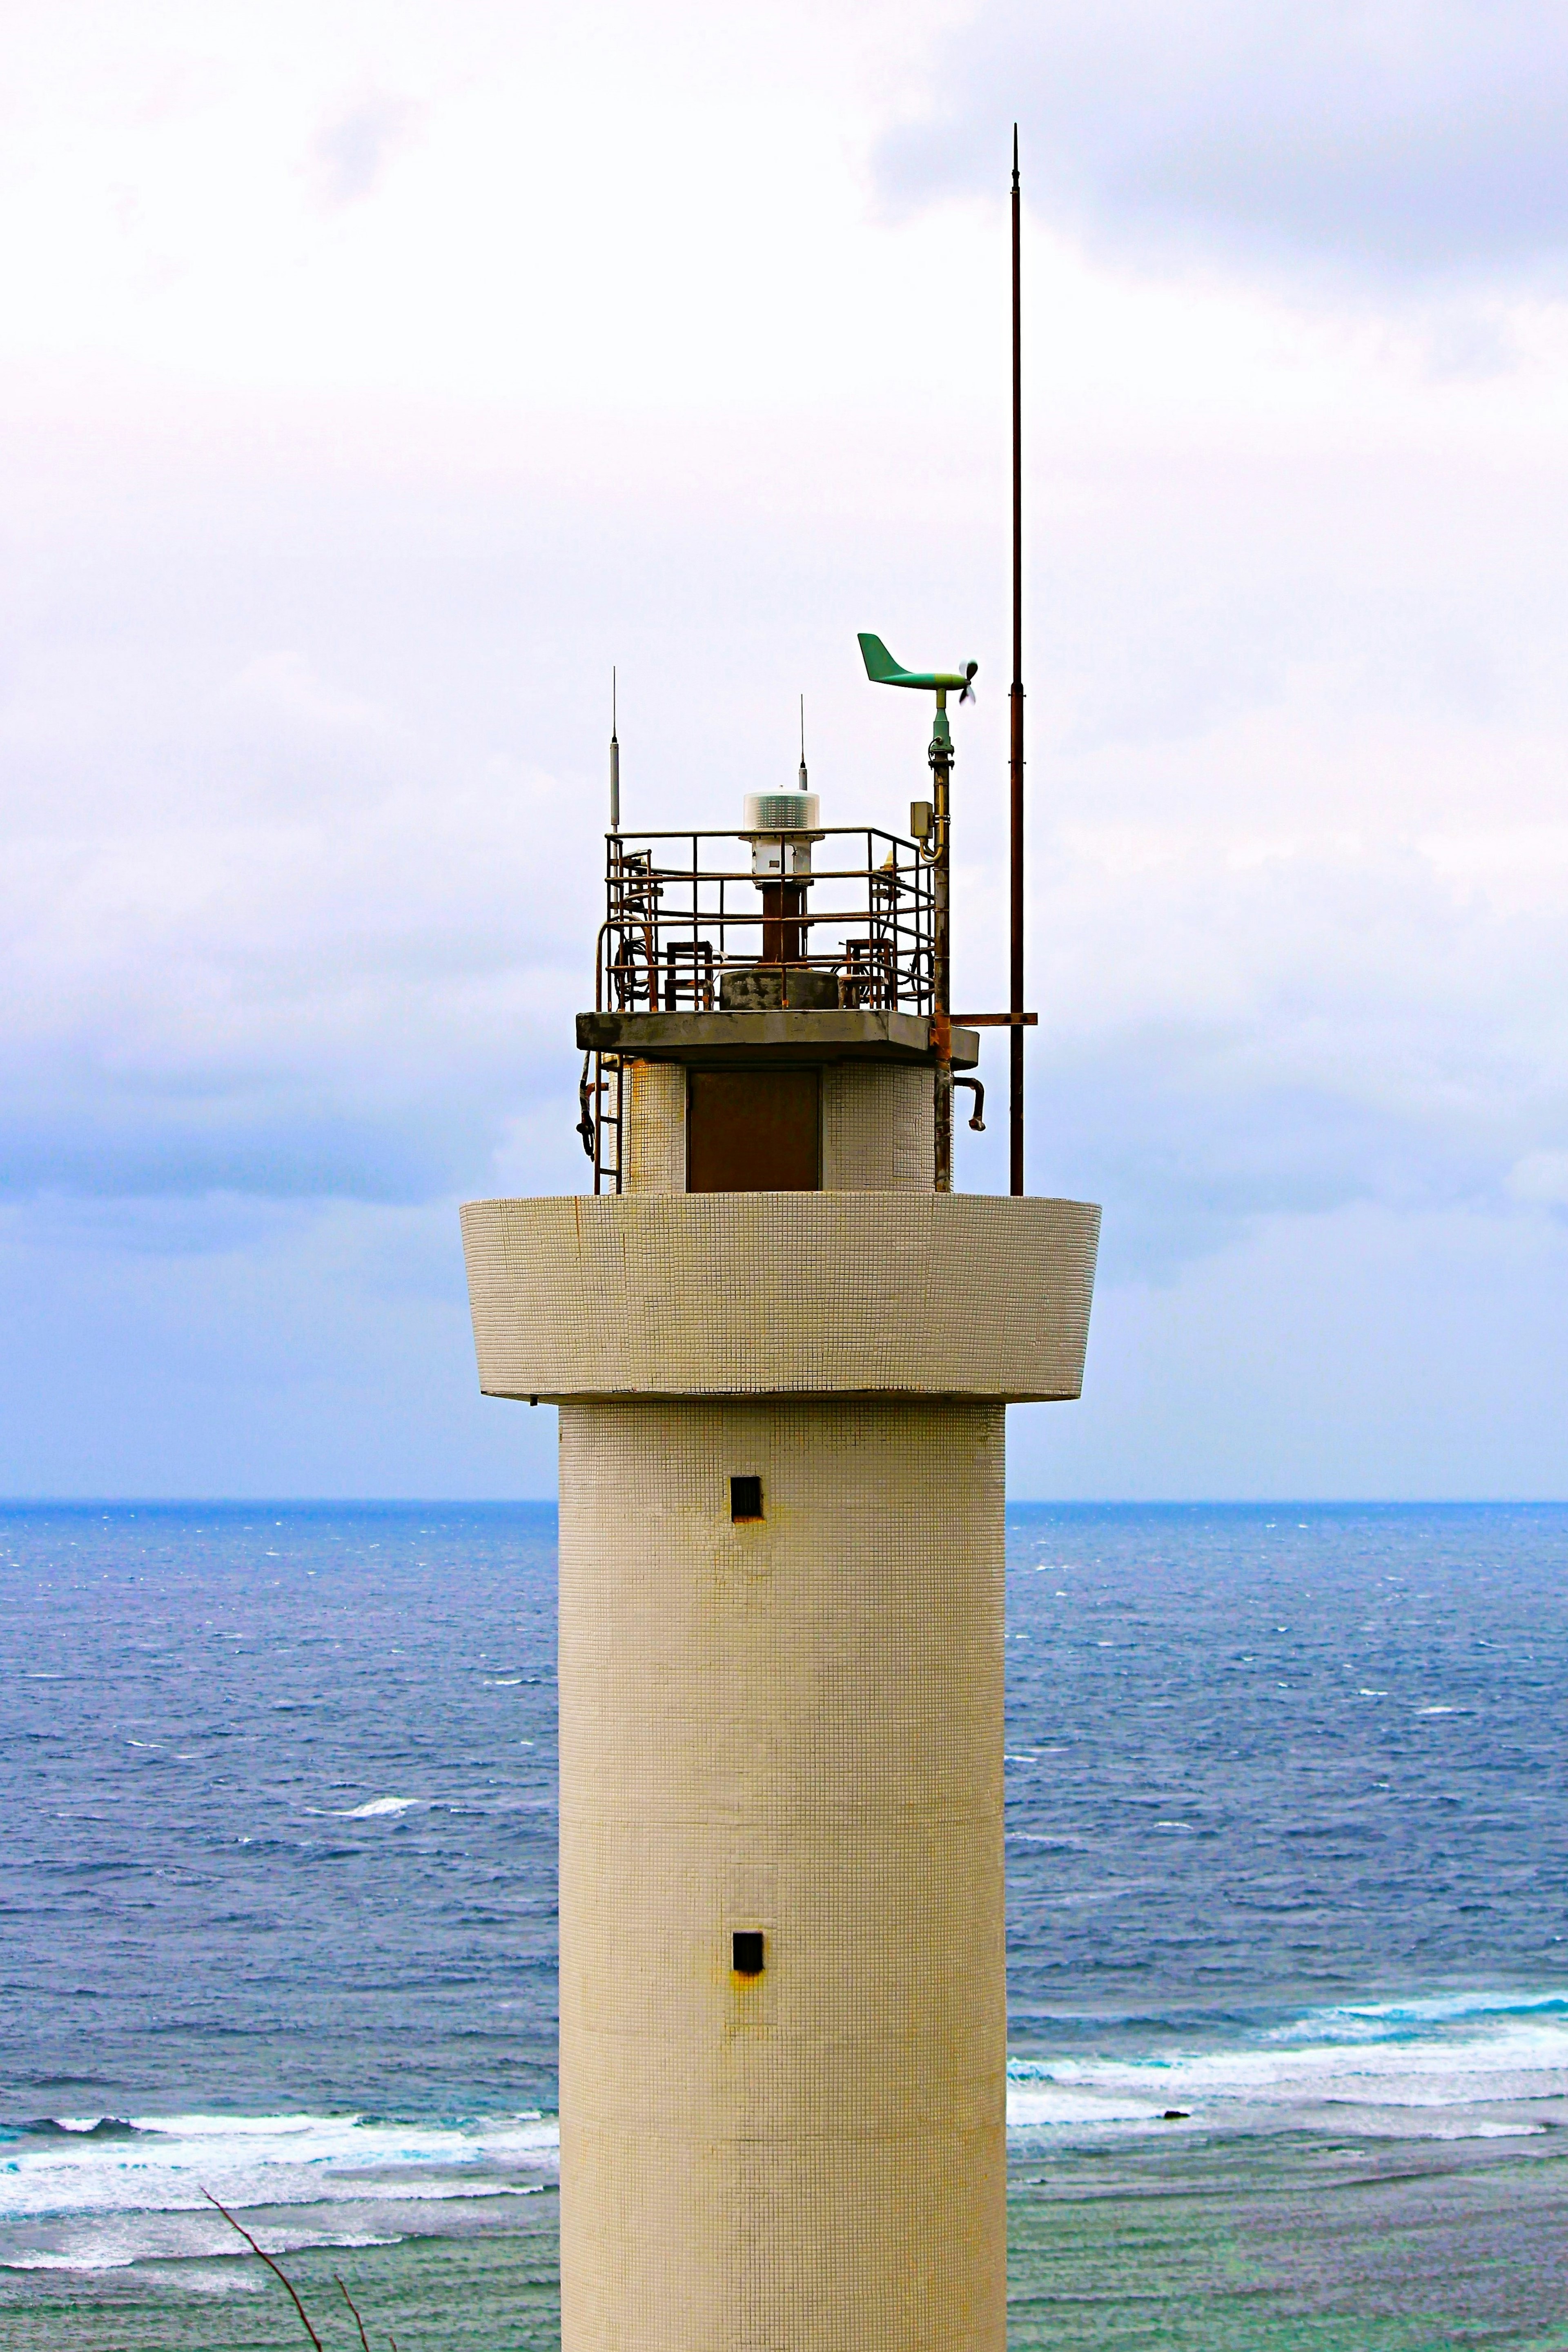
x=783, y=1348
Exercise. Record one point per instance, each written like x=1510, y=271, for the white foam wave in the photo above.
x=1465, y=2067
x=90, y=2259
x=247, y=2160
x=200, y=2247
x=373, y=1810
x=222, y=2277
x=1475, y=2065
x=1380, y=2019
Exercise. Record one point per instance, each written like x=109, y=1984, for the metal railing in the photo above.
x=678, y=917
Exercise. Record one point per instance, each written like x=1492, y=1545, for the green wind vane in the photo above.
x=930, y=822
x=883, y=670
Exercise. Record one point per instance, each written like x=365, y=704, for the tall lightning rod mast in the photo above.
x=1015, y=703
x=615, y=760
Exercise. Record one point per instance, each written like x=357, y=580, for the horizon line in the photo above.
x=1012, y=1502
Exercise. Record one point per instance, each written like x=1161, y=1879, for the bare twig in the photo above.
x=272, y=2266
x=355, y=2308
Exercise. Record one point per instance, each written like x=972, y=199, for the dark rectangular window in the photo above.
x=745, y=1498
x=755, y=1130
x=747, y=1945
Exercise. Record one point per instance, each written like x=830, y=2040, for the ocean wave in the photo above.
x=63, y=2170
x=1378, y=2020
x=90, y=2259
x=374, y=1809
x=1475, y=2065
x=195, y=2250
x=1459, y=2066
x=70, y=2127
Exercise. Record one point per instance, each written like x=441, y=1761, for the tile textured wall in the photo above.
x=781, y=1293
x=790, y=1726
x=793, y=1725
x=878, y=1128
x=655, y=1100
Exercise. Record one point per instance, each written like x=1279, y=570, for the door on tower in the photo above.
x=755, y=1130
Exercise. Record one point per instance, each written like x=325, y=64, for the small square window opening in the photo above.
x=745, y=1498
x=747, y=1951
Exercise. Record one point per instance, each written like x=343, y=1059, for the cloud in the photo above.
x=1242, y=1032
x=232, y=1349
x=1416, y=139
x=270, y=933
x=303, y=847
x=351, y=152
x=316, y=558
x=1540, y=1176
x=1361, y=1352
x=284, y=684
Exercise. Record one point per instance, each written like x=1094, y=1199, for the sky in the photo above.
x=374, y=376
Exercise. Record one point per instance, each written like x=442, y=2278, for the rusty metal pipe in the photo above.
x=1015, y=714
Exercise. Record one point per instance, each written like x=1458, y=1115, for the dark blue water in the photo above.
x=1288, y=1869
x=1283, y=1758
x=200, y=1705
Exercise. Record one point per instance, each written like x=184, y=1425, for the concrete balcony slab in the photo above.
x=783, y=1034
x=781, y=1293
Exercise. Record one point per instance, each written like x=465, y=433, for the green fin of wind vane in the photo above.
x=883, y=670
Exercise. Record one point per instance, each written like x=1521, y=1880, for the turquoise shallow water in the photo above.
x=1288, y=1853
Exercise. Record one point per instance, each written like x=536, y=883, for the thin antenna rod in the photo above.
x=802, y=782
x=1016, y=701
x=614, y=759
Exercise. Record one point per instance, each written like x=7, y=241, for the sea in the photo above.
x=1288, y=1851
